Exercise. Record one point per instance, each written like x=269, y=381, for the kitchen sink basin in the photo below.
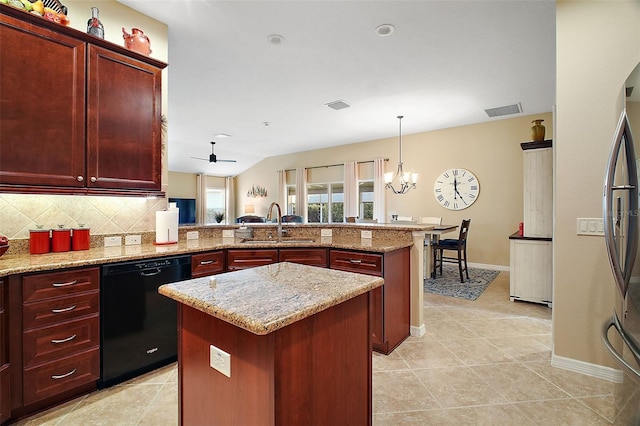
x=275, y=241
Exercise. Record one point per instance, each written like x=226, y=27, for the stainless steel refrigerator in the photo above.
x=621, y=334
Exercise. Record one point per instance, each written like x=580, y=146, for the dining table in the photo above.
x=431, y=237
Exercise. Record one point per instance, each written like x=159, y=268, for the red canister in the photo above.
x=60, y=240
x=80, y=239
x=39, y=241
x=521, y=229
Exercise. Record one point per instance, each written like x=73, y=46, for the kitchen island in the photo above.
x=298, y=342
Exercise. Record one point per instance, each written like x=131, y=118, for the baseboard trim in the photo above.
x=487, y=266
x=418, y=331
x=593, y=370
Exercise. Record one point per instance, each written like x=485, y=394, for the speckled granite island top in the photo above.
x=264, y=299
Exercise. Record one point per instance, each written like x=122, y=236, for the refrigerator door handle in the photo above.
x=613, y=322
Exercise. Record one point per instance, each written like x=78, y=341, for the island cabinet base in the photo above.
x=316, y=371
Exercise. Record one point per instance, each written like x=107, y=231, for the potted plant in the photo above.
x=219, y=215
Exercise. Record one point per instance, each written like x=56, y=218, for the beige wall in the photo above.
x=490, y=150
x=182, y=185
x=598, y=45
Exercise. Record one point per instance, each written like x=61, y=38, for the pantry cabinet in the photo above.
x=79, y=115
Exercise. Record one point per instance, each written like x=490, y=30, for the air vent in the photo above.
x=338, y=105
x=629, y=90
x=504, y=110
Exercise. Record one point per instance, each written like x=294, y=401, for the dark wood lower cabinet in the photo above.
x=390, y=304
x=307, y=256
x=250, y=258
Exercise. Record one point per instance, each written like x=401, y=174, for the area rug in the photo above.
x=448, y=284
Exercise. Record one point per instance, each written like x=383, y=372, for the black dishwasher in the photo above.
x=138, y=325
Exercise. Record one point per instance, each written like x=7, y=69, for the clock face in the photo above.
x=456, y=189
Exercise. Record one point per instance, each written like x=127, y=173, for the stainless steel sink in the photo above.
x=275, y=241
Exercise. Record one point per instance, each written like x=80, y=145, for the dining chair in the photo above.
x=292, y=218
x=428, y=242
x=366, y=220
x=459, y=245
x=351, y=219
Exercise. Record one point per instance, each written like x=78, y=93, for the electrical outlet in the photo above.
x=132, y=240
x=192, y=235
x=366, y=234
x=227, y=233
x=112, y=241
x=220, y=360
x=326, y=232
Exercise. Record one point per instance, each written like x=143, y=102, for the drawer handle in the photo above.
x=150, y=274
x=206, y=262
x=56, y=341
x=65, y=284
x=62, y=376
x=58, y=311
x=356, y=261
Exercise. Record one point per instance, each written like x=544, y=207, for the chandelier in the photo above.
x=404, y=181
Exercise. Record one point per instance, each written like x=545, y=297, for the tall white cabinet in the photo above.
x=531, y=272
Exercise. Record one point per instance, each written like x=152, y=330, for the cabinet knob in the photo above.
x=94, y=179
x=80, y=178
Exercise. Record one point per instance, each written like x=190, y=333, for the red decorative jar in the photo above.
x=39, y=241
x=80, y=239
x=60, y=240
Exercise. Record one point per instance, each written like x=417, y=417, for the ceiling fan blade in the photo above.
x=198, y=158
x=226, y=161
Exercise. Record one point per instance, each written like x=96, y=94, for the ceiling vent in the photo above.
x=338, y=105
x=629, y=90
x=504, y=110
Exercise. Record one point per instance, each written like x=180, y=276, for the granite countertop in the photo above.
x=266, y=298
x=25, y=263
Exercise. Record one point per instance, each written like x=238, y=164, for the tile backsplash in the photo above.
x=103, y=215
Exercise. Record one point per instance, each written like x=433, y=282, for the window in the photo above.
x=216, y=207
x=291, y=199
x=365, y=195
x=325, y=202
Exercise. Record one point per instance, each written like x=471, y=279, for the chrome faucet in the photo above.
x=270, y=210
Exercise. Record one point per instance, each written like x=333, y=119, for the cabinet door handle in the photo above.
x=65, y=284
x=94, y=179
x=56, y=341
x=356, y=261
x=80, y=178
x=58, y=311
x=206, y=262
x=150, y=274
x=62, y=376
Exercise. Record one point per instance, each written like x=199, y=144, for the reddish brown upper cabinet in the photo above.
x=80, y=115
x=390, y=305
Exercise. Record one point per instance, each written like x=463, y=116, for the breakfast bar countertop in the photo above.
x=267, y=298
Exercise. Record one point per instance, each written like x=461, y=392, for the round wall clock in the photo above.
x=456, y=189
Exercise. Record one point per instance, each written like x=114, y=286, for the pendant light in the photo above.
x=402, y=181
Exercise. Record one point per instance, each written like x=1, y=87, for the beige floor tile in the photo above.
x=419, y=418
x=603, y=405
x=575, y=384
x=449, y=329
x=567, y=412
x=393, y=361
x=395, y=391
x=429, y=354
x=51, y=417
x=476, y=351
x=503, y=414
x=517, y=383
x=163, y=410
x=458, y=387
x=523, y=348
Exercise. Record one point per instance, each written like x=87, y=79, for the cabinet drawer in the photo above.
x=306, y=256
x=207, y=264
x=49, y=343
x=364, y=263
x=51, y=311
x=243, y=259
x=62, y=375
x=57, y=284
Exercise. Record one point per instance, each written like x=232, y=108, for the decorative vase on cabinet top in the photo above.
x=137, y=41
x=537, y=131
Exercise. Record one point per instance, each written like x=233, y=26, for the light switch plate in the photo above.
x=227, y=233
x=192, y=235
x=366, y=234
x=112, y=241
x=590, y=226
x=220, y=360
x=326, y=232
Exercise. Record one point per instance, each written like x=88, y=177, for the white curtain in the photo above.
x=230, y=201
x=201, y=199
x=351, y=207
x=379, y=195
x=301, y=193
x=282, y=190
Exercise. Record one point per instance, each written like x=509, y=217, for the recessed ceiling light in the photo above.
x=222, y=135
x=504, y=110
x=275, y=39
x=385, y=30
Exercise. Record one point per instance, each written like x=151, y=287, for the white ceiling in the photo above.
x=445, y=63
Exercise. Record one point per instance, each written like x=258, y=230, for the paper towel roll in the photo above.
x=173, y=206
x=167, y=226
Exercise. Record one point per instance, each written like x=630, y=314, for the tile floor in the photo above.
x=481, y=362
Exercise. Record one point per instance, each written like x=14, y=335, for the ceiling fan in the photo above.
x=213, y=158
